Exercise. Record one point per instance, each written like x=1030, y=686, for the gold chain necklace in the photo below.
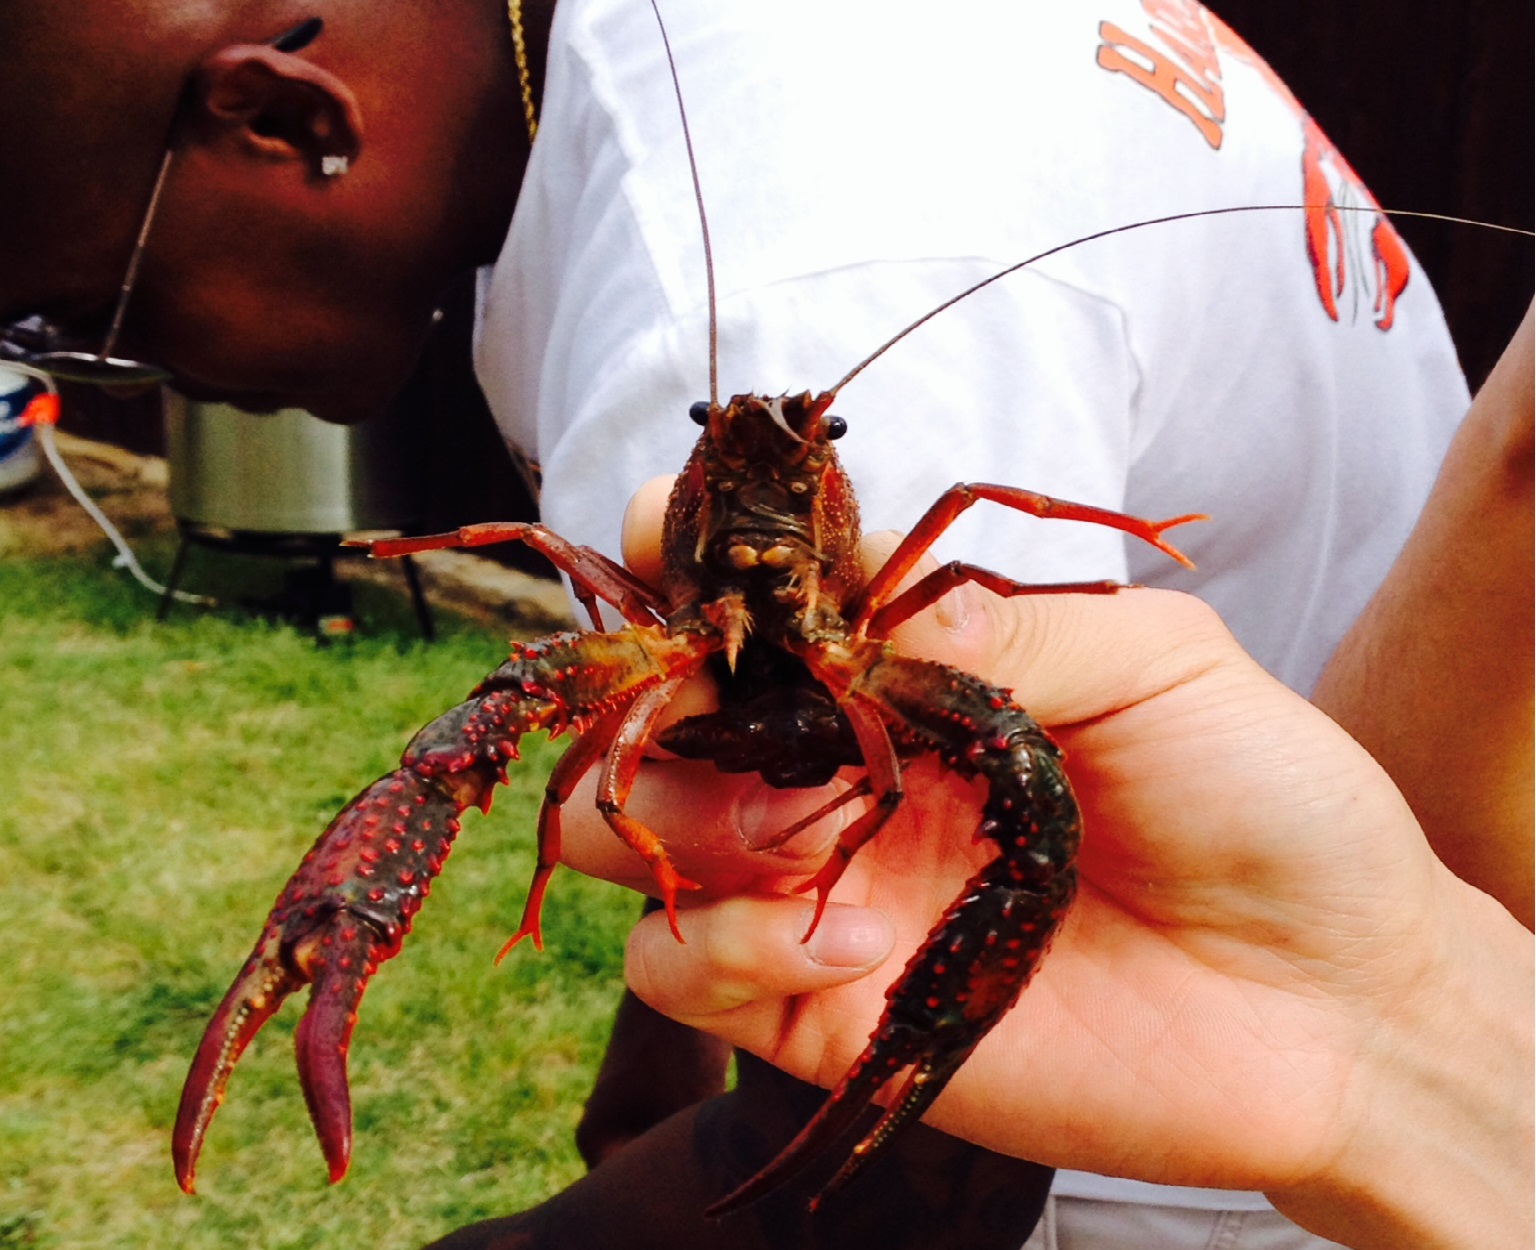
x=524, y=75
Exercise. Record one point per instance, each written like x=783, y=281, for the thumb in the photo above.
x=1068, y=657
x=641, y=535
x=744, y=951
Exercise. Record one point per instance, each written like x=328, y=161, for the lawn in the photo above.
x=160, y=783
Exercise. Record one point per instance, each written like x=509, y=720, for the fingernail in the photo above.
x=763, y=813
x=953, y=611
x=849, y=937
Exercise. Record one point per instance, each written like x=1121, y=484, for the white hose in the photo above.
x=125, y=558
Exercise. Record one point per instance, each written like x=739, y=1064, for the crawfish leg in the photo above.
x=933, y=587
x=593, y=575
x=974, y=964
x=579, y=757
x=961, y=496
x=618, y=779
x=861, y=789
x=884, y=781
x=350, y=905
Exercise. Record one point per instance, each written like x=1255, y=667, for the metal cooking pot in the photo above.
x=289, y=472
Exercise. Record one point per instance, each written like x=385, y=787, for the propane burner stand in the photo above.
x=287, y=484
x=313, y=593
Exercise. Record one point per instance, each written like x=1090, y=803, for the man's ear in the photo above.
x=277, y=106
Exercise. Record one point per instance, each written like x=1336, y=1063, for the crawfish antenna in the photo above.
x=698, y=197
x=1139, y=225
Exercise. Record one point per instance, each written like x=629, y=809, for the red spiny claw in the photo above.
x=341, y=959
x=257, y=993
x=957, y=986
x=349, y=906
x=345, y=911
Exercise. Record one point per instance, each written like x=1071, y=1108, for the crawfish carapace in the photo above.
x=760, y=576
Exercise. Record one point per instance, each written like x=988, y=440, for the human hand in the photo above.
x=1268, y=981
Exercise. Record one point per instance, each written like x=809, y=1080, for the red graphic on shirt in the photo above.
x=1327, y=184
x=1185, y=72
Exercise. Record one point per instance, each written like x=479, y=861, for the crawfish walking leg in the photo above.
x=934, y=586
x=618, y=779
x=942, y=513
x=593, y=575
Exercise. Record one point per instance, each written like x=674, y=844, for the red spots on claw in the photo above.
x=376, y=863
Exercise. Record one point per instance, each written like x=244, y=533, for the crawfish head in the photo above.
x=762, y=523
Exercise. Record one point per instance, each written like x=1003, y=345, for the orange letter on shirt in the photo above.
x=1201, y=101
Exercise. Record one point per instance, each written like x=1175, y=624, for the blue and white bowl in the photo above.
x=19, y=461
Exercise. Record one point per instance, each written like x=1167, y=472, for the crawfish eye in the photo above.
x=699, y=412
x=834, y=426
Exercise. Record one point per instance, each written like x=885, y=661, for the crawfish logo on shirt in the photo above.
x=1179, y=62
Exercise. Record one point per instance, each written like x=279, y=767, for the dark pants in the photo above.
x=928, y=1191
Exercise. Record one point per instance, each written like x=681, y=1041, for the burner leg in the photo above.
x=419, y=600
x=173, y=579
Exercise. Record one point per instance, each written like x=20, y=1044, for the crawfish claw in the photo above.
x=343, y=913
x=255, y=996
x=892, y=1049
x=958, y=984
x=336, y=958
x=320, y=1042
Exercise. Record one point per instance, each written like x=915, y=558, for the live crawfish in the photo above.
x=760, y=570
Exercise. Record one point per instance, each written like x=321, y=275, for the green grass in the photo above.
x=159, y=784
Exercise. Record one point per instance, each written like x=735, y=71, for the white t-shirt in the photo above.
x=862, y=162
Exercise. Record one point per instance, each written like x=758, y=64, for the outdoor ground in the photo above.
x=160, y=782
x=42, y=520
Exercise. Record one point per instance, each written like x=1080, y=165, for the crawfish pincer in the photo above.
x=349, y=906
